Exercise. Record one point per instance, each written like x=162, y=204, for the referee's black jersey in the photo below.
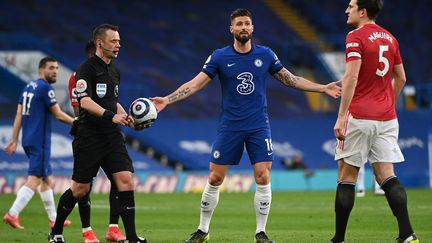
x=100, y=82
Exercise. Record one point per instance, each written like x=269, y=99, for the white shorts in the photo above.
x=371, y=140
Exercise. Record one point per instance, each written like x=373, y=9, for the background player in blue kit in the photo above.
x=242, y=69
x=36, y=104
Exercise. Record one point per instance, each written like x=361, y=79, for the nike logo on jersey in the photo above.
x=230, y=64
x=269, y=153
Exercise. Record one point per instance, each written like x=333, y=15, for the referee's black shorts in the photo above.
x=92, y=149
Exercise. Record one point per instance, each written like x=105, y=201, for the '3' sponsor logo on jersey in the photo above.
x=247, y=86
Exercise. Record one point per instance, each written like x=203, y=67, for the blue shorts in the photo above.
x=229, y=146
x=39, y=165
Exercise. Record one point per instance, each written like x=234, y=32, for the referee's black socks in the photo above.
x=126, y=202
x=344, y=203
x=397, y=200
x=84, y=207
x=65, y=206
x=114, y=207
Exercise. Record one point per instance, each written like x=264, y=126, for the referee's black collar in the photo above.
x=98, y=59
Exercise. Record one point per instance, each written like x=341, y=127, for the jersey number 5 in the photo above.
x=27, y=98
x=384, y=60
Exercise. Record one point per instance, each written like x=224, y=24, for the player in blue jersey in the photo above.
x=242, y=69
x=35, y=107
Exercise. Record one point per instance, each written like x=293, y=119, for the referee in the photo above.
x=98, y=141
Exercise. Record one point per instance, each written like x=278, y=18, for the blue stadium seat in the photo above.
x=407, y=20
x=164, y=43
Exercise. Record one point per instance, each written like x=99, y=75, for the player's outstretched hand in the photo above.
x=160, y=103
x=11, y=147
x=122, y=119
x=339, y=129
x=333, y=89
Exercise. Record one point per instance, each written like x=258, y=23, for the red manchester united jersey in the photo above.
x=72, y=91
x=379, y=52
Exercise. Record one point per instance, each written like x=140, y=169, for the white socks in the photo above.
x=262, y=203
x=86, y=229
x=23, y=197
x=209, y=200
x=48, y=201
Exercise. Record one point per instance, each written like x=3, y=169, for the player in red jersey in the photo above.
x=113, y=233
x=90, y=50
x=72, y=94
x=367, y=127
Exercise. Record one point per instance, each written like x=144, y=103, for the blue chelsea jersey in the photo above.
x=243, y=83
x=36, y=99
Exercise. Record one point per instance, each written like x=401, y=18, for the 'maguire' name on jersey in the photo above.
x=243, y=82
x=372, y=38
x=380, y=35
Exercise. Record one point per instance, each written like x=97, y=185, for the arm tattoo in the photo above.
x=287, y=78
x=179, y=95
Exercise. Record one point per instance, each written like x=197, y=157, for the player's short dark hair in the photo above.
x=44, y=61
x=373, y=7
x=101, y=30
x=239, y=13
x=90, y=48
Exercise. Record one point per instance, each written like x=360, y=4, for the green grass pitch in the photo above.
x=294, y=217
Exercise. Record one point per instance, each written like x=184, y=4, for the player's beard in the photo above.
x=51, y=80
x=242, y=37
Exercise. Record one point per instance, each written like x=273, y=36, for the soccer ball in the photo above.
x=143, y=110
